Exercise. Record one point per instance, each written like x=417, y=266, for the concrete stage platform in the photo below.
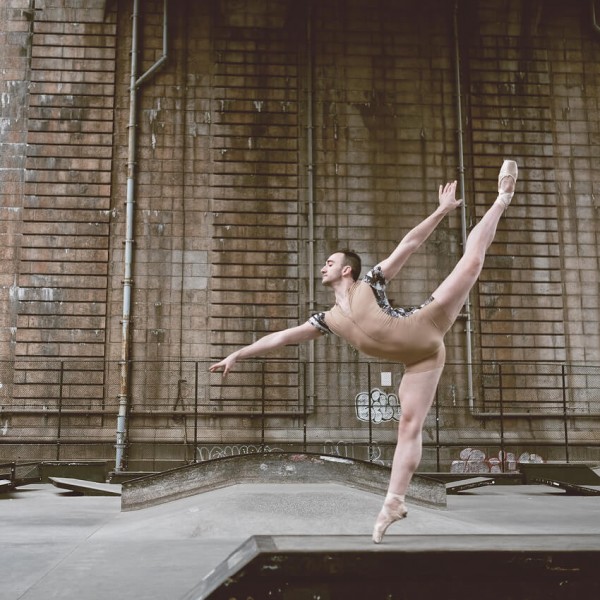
x=58, y=544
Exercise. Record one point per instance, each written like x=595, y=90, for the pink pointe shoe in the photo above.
x=506, y=190
x=393, y=510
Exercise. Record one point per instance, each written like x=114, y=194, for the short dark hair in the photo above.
x=352, y=260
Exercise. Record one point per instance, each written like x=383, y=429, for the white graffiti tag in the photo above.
x=379, y=407
x=205, y=453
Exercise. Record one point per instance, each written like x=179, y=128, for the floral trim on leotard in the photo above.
x=376, y=280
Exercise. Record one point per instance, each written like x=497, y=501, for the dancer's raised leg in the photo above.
x=416, y=394
x=454, y=290
x=417, y=390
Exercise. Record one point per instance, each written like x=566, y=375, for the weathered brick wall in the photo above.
x=64, y=120
x=218, y=187
x=533, y=93
x=222, y=233
x=15, y=57
x=540, y=272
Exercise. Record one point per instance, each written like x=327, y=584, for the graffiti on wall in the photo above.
x=209, y=453
x=340, y=448
x=473, y=460
x=347, y=450
x=378, y=406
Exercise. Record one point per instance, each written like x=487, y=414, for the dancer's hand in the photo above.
x=448, y=202
x=226, y=364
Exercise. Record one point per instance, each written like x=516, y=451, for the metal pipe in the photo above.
x=304, y=417
x=463, y=212
x=159, y=63
x=262, y=407
x=310, y=195
x=369, y=388
x=123, y=396
x=127, y=278
x=60, y=403
x=232, y=413
x=195, y=408
x=565, y=411
x=593, y=11
x=151, y=413
x=500, y=388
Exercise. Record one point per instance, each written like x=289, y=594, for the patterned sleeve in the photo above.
x=318, y=321
x=376, y=279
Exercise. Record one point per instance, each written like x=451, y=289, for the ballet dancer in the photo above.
x=362, y=315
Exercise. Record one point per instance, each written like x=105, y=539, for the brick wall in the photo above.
x=65, y=170
x=222, y=236
x=533, y=93
x=15, y=56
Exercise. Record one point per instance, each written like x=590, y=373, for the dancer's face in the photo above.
x=333, y=269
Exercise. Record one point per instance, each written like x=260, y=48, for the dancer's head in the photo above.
x=344, y=263
x=352, y=260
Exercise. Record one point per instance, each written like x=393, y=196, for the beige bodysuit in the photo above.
x=413, y=336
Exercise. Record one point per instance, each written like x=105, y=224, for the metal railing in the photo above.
x=180, y=413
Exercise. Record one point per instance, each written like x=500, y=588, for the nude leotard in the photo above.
x=414, y=337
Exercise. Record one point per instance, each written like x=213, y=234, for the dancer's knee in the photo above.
x=409, y=428
x=472, y=265
x=408, y=454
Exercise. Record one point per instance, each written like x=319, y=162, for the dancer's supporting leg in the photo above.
x=416, y=394
x=417, y=390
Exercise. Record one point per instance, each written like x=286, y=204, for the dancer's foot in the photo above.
x=393, y=510
x=507, y=180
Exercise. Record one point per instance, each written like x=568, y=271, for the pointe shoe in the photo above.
x=393, y=510
x=509, y=169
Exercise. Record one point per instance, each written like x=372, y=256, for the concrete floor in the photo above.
x=54, y=544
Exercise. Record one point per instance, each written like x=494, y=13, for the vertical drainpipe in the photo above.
x=121, y=438
x=310, y=196
x=463, y=212
x=127, y=278
x=593, y=14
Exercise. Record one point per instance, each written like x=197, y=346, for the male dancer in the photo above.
x=363, y=316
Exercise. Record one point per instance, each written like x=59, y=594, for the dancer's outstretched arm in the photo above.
x=416, y=236
x=271, y=341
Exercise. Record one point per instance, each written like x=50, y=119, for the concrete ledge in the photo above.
x=571, y=488
x=456, y=487
x=575, y=473
x=271, y=468
x=86, y=488
x=465, y=567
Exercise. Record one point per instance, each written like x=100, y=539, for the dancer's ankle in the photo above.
x=504, y=199
x=394, y=498
x=393, y=510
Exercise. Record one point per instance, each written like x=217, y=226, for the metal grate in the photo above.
x=179, y=412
